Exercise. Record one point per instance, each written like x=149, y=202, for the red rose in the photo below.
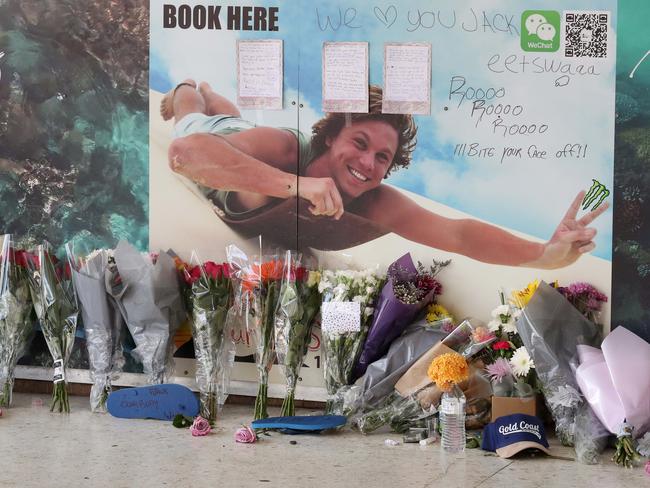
x=501, y=345
x=21, y=258
x=191, y=274
x=213, y=270
x=301, y=273
x=225, y=267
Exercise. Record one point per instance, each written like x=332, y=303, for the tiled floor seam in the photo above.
x=493, y=474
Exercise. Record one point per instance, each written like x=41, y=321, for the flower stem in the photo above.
x=60, y=398
x=209, y=404
x=261, y=400
x=288, y=405
x=5, y=396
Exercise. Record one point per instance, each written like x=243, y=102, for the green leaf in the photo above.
x=182, y=421
x=472, y=442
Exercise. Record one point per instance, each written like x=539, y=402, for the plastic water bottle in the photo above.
x=452, y=420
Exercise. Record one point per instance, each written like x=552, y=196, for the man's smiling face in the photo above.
x=360, y=155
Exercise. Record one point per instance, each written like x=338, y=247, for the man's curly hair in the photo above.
x=332, y=123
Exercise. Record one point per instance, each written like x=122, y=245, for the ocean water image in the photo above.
x=74, y=121
x=631, y=270
x=74, y=129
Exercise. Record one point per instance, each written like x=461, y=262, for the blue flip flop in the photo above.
x=301, y=424
x=161, y=402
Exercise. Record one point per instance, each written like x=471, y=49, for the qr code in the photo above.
x=585, y=34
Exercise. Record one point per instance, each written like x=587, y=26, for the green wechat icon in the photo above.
x=540, y=30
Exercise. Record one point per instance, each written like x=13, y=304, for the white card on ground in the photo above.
x=340, y=317
x=259, y=74
x=407, y=78
x=345, y=77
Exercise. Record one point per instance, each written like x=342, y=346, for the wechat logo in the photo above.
x=540, y=30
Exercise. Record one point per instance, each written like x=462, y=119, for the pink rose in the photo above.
x=200, y=427
x=481, y=334
x=647, y=468
x=245, y=435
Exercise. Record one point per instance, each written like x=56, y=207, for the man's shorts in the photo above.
x=198, y=123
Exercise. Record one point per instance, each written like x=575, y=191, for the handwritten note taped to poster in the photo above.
x=259, y=74
x=407, y=78
x=345, y=77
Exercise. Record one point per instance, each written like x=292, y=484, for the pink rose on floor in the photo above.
x=245, y=435
x=647, y=468
x=200, y=427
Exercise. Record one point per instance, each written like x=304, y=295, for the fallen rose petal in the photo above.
x=647, y=468
x=200, y=427
x=245, y=435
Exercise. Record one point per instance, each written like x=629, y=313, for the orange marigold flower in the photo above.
x=447, y=370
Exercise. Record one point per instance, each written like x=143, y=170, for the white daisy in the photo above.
x=501, y=310
x=521, y=362
x=509, y=326
x=494, y=325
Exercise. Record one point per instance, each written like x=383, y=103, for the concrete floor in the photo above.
x=43, y=449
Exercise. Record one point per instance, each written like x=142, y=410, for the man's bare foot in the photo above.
x=167, y=103
x=217, y=104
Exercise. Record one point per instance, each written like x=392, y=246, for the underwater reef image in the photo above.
x=74, y=121
x=74, y=135
x=631, y=257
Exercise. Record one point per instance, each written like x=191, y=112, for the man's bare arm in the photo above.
x=477, y=240
x=260, y=160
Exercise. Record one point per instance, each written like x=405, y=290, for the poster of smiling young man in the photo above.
x=501, y=159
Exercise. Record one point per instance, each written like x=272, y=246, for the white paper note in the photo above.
x=407, y=78
x=259, y=69
x=340, y=317
x=345, y=77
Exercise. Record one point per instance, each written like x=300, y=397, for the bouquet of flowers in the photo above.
x=439, y=317
x=209, y=299
x=298, y=306
x=381, y=376
x=151, y=302
x=348, y=299
x=15, y=314
x=55, y=303
x=257, y=291
x=469, y=338
x=407, y=291
x=396, y=411
x=619, y=395
x=586, y=298
x=416, y=393
x=102, y=322
x=507, y=361
x=551, y=329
